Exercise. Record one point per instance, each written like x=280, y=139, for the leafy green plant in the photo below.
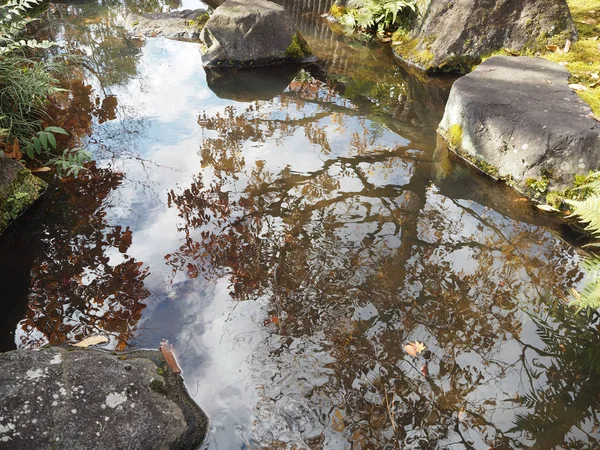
x=27, y=80
x=588, y=212
x=377, y=15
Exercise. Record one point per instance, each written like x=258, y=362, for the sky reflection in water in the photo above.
x=288, y=248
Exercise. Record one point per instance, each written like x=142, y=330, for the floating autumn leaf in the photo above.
x=546, y=208
x=167, y=351
x=414, y=348
x=91, y=340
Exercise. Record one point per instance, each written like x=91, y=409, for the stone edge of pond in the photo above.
x=555, y=150
x=56, y=394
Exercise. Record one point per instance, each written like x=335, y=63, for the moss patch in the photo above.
x=455, y=136
x=199, y=21
x=337, y=12
x=537, y=187
x=410, y=50
x=18, y=196
x=583, y=60
x=298, y=48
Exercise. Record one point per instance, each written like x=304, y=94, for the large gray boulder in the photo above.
x=456, y=34
x=185, y=24
x=18, y=190
x=84, y=399
x=243, y=33
x=517, y=119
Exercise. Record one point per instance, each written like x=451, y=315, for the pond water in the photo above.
x=289, y=233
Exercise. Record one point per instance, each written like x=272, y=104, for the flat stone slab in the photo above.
x=518, y=119
x=56, y=398
x=185, y=24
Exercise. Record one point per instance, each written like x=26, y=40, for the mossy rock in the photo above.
x=259, y=33
x=19, y=188
x=456, y=35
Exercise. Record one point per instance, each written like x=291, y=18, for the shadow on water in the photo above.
x=249, y=84
x=290, y=237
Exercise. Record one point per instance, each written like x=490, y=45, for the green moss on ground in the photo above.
x=18, y=196
x=583, y=60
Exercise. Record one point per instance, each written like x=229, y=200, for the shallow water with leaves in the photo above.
x=290, y=232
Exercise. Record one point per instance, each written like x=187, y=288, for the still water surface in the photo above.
x=290, y=246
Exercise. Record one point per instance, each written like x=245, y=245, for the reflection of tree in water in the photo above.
x=92, y=31
x=328, y=246
x=84, y=282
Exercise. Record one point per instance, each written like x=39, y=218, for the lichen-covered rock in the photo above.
x=516, y=118
x=18, y=190
x=243, y=33
x=185, y=24
x=83, y=399
x=456, y=34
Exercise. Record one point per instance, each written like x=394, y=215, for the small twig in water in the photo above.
x=387, y=403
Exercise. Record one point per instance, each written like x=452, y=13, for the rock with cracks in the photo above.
x=518, y=119
x=456, y=34
x=247, y=33
x=83, y=399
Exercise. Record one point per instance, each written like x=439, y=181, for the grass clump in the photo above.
x=27, y=80
x=583, y=59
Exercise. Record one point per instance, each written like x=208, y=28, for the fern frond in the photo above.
x=588, y=211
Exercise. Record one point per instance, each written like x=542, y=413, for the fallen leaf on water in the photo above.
x=425, y=370
x=91, y=340
x=521, y=200
x=414, y=348
x=40, y=169
x=567, y=46
x=546, y=208
x=578, y=87
x=167, y=351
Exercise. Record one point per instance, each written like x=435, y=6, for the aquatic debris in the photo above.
x=414, y=348
x=168, y=352
x=91, y=340
x=546, y=208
